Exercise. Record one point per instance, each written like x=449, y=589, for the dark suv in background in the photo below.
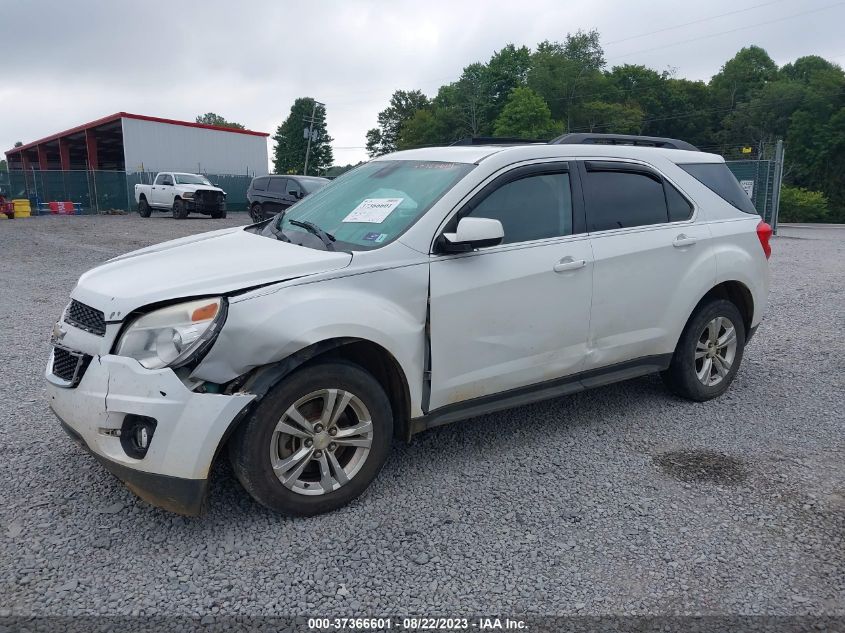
x=267, y=195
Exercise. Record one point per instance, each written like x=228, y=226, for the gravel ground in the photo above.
x=618, y=500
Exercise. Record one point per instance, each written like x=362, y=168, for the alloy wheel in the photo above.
x=715, y=351
x=321, y=442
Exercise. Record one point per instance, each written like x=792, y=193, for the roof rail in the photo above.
x=584, y=138
x=496, y=140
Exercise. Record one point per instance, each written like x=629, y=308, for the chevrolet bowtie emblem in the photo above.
x=58, y=333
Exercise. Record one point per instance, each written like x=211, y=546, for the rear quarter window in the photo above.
x=260, y=184
x=719, y=179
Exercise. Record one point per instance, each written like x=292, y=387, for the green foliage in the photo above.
x=291, y=142
x=18, y=143
x=210, y=118
x=403, y=106
x=525, y=115
x=749, y=102
x=800, y=205
x=3, y=166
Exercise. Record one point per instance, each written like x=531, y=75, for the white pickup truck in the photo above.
x=181, y=194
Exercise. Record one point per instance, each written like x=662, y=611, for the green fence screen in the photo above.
x=102, y=191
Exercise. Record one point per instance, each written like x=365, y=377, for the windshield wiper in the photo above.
x=275, y=228
x=327, y=238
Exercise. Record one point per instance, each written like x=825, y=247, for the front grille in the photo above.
x=208, y=199
x=86, y=318
x=70, y=366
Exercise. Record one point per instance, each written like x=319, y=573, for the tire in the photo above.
x=315, y=480
x=180, y=211
x=144, y=209
x=219, y=214
x=255, y=213
x=687, y=376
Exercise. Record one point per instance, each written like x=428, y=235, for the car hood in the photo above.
x=209, y=263
x=198, y=187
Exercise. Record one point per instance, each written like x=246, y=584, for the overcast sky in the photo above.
x=65, y=63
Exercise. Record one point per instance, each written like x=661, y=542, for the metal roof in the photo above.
x=128, y=115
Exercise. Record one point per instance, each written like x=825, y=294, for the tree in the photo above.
x=210, y=118
x=423, y=129
x=525, y=115
x=3, y=166
x=291, y=141
x=569, y=73
x=743, y=75
x=611, y=118
x=18, y=143
x=403, y=105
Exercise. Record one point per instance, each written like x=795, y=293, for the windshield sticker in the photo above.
x=373, y=210
x=371, y=237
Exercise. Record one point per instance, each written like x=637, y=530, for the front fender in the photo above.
x=385, y=307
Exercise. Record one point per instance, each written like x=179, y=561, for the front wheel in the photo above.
x=709, y=353
x=255, y=213
x=180, y=211
x=144, y=209
x=316, y=441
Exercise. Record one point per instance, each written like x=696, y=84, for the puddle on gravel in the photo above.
x=707, y=467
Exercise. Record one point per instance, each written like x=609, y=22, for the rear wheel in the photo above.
x=255, y=212
x=144, y=209
x=316, y=441
x=180, y=211
x=709, y=353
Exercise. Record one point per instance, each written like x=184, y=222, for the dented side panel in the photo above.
x=385, y=307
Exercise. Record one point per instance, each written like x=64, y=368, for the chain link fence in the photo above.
x=103, y=191
x=758, y=178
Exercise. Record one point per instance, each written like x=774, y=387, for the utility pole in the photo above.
x=778, y=184
x=310, y=134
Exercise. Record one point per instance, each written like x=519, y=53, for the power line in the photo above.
x=740, y=28
x=679, y=26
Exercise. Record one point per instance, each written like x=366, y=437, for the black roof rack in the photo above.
x=584, y=138
x=496, y=140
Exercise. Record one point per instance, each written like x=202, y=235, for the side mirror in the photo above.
x=472, y=233
x=294, y=194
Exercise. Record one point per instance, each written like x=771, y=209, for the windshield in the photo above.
x=191, y=179
x=372, y=205
x=313, y=184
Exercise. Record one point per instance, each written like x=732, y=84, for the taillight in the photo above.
x=764, y=234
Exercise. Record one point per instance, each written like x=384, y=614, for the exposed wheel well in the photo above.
x=737, y=293
x=143, y=196
x=366, y=354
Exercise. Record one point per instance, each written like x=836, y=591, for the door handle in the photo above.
x=567, y=263
x=683, y=240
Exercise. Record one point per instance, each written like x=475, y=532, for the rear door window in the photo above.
x=618, y=199
x=719, y=179
x=260, y=184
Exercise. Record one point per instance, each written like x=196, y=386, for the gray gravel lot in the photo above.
x=569, y=506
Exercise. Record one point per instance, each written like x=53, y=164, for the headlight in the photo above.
x=173, y=336
x=187, y=194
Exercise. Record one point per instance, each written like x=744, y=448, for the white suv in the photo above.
x=421, y=288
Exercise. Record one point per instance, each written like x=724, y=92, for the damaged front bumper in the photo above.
x=188, y=427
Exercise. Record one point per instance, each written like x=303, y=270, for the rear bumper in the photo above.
x=175, y=494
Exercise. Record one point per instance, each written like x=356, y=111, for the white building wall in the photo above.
x=154, y=146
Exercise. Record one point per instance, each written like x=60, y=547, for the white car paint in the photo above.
x=500, y=318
